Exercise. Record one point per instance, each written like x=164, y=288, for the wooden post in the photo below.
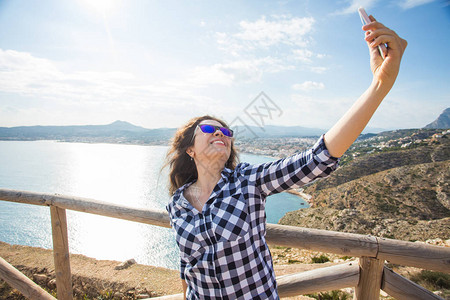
x=371, y=273
x=22, y=283
x=61, y=253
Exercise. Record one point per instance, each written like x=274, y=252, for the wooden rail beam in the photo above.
x=348, y=244
x=401, y=288
x=22, y=283
x=92, y=206
x=319, y=280
x=419, y=255
x=61, y=253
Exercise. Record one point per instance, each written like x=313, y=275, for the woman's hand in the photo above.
x=384, y=71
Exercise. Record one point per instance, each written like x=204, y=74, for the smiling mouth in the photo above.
x=218, y=143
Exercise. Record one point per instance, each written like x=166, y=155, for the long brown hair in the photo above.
x=181, y=168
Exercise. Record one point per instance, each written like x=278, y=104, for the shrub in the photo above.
x=346, y=257
x=319, y=260
x=333, y=295
x=432, y=280
x=293, y=261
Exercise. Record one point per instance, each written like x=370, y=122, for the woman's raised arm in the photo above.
x=340, y=137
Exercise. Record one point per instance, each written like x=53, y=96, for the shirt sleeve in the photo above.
x=294, y=171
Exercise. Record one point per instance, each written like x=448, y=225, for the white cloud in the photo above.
x=267, y=45
x=407, y=4
x=354, y=5
x=309, y=85
x=41, y=80
x=236, y=72
x=282, y=30
x=303, y=55
x=265, y=33
x=24, y=74
x=318, y=69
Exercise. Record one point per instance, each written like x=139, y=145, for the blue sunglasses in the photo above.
x=206, y=128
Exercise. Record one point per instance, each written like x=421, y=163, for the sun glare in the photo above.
x=103, y=7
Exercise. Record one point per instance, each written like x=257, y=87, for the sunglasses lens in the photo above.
x=226, y=131
x=207, y=128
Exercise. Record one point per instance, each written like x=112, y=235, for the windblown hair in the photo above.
x=181, y=168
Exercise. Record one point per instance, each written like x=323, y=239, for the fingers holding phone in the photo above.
x=386, y=48
x=378, y=35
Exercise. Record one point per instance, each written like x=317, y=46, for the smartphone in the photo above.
x=365, y=20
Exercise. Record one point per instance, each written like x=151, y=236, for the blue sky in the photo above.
x=159, y=63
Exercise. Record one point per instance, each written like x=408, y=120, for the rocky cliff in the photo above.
x=400, y=193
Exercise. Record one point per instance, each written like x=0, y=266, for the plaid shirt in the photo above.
x=223, y=250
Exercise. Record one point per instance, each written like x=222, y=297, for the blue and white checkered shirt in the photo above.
x=223, y=250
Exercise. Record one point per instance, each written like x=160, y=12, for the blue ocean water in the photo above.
x=123, y=174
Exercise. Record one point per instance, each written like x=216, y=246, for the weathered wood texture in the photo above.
x=322, y=240
x=146, y=216
x=22, y=283
x=61, y=253
x=371, y=272
x=401, y=288
x=417, y=254
x=319, y=280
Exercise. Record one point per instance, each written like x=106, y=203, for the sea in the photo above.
x=130, y=175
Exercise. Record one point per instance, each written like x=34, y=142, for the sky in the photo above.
x=159, y=63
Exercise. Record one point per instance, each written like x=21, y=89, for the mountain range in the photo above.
x=124, y=132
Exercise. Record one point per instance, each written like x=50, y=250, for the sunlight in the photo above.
x=102, y=7
x=105, y=9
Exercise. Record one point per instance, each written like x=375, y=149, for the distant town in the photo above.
x=365, y=144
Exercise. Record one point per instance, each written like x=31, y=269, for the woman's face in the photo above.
x=210, y=147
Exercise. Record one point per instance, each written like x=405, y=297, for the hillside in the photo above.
x=388, y=150
x=443, y=121
x=398, y=192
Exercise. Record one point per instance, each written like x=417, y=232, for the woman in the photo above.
x=217, y=205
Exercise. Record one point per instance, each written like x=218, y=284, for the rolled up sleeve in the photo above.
x=294, y=171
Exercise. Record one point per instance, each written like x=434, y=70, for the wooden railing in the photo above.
x=367, y=275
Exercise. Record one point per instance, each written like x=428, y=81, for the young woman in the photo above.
x=217, y=205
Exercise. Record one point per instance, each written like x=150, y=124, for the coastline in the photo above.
x=299, y=192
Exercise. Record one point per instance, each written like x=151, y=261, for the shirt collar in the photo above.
x=226, y=172
x=178, y=195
